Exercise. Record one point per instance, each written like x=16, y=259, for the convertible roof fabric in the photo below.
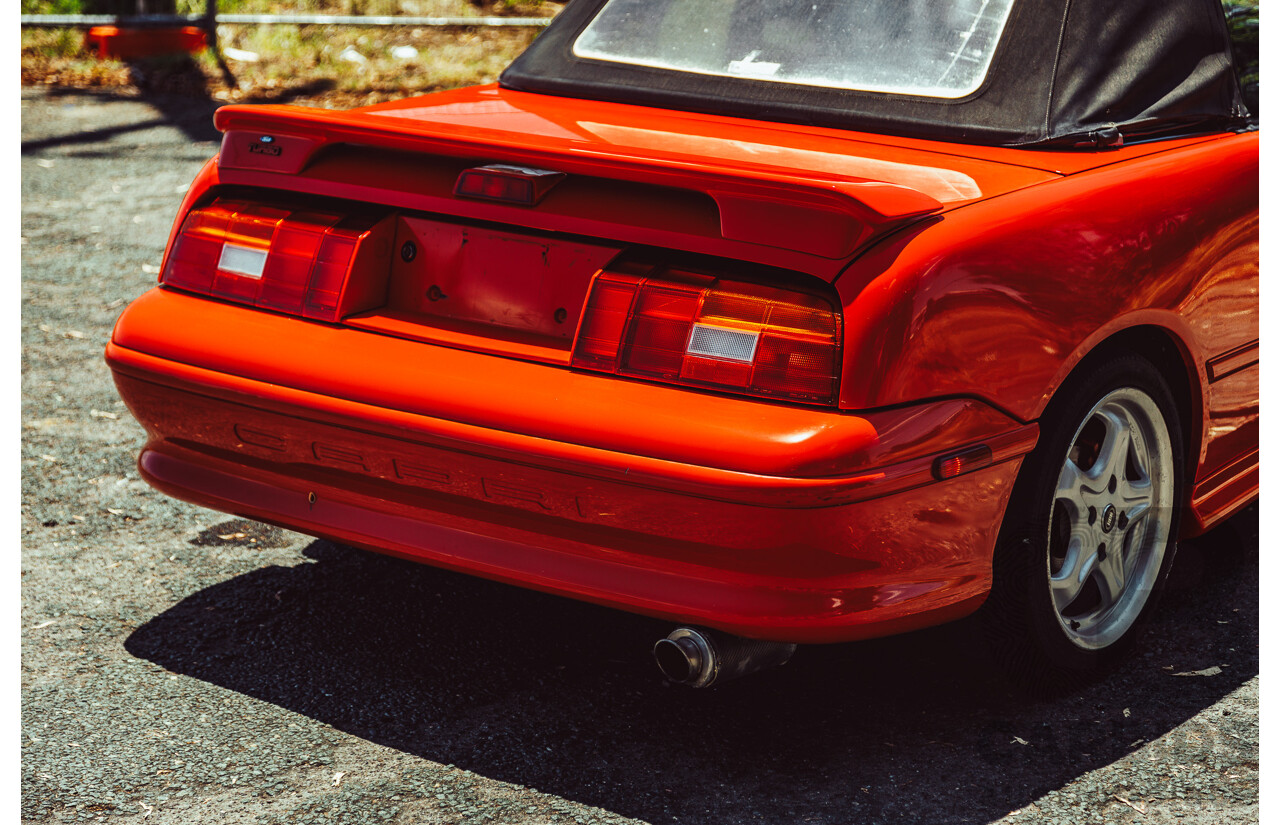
x=1066, y=73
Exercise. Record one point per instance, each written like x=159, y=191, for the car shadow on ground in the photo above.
x=563, y=697
x=185, y=105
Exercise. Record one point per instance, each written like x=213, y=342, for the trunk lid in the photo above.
x=512, y=278
x=702, y=183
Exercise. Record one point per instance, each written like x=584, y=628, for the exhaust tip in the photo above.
x=673, y=661
x=699, y=658
x=686, y=657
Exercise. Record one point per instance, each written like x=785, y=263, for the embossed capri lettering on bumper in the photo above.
x=845, y=545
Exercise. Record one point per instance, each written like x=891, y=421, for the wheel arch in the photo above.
x=1171, y=357
x=1022, y=617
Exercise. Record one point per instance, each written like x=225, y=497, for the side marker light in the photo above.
x=965, y=461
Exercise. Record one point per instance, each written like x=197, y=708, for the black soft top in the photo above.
x=1065, y=73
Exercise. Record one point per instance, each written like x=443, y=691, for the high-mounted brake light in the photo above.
x=290, y=260
x=694, y=329
x=521, y=185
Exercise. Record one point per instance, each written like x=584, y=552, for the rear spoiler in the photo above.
x=825, y=215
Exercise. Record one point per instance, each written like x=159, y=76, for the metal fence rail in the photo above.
x=88, y=20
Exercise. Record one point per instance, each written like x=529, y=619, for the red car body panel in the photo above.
x=798, y=558
x=1003, y=299
x=970, y=280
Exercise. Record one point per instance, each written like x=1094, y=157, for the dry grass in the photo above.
x=56, y=57
x=304, y=64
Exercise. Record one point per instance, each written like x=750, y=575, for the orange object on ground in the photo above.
x=126, y=44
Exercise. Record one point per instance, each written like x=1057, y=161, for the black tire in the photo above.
x=1090, y=532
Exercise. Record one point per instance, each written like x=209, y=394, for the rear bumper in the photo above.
x=807, y=558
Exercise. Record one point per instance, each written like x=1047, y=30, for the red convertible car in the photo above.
x=787, y=322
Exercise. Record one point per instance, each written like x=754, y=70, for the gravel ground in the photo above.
x=179, y=665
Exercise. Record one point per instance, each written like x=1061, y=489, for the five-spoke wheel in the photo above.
x=1111, y=518
x=1090, y=529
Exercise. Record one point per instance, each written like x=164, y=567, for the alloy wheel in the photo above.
x=1111, y=518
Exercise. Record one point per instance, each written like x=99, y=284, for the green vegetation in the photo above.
x=420, y=8
x=53, y=7
x=1242, y=22
x=446, y=58
x=316, y=65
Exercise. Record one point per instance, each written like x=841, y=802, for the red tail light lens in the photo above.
x=291, y=260
x=695, y=329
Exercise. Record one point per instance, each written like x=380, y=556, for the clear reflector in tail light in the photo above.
x=717, y=342
x=695, y=329
x=242, y=260
x=291, y=260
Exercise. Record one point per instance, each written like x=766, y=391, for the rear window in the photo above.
x=910, y=47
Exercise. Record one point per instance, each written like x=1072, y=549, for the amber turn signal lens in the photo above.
x=965, y=461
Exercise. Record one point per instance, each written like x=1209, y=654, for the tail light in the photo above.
x=694, y=329
x=293, y=260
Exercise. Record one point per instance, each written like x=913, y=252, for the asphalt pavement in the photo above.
x=183, y=666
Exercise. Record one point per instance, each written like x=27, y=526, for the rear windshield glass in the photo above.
x=914, y=47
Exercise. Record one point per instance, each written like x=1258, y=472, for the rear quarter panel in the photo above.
x=1001, y=299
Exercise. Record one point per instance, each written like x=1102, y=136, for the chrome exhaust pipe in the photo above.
x=700, y=658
